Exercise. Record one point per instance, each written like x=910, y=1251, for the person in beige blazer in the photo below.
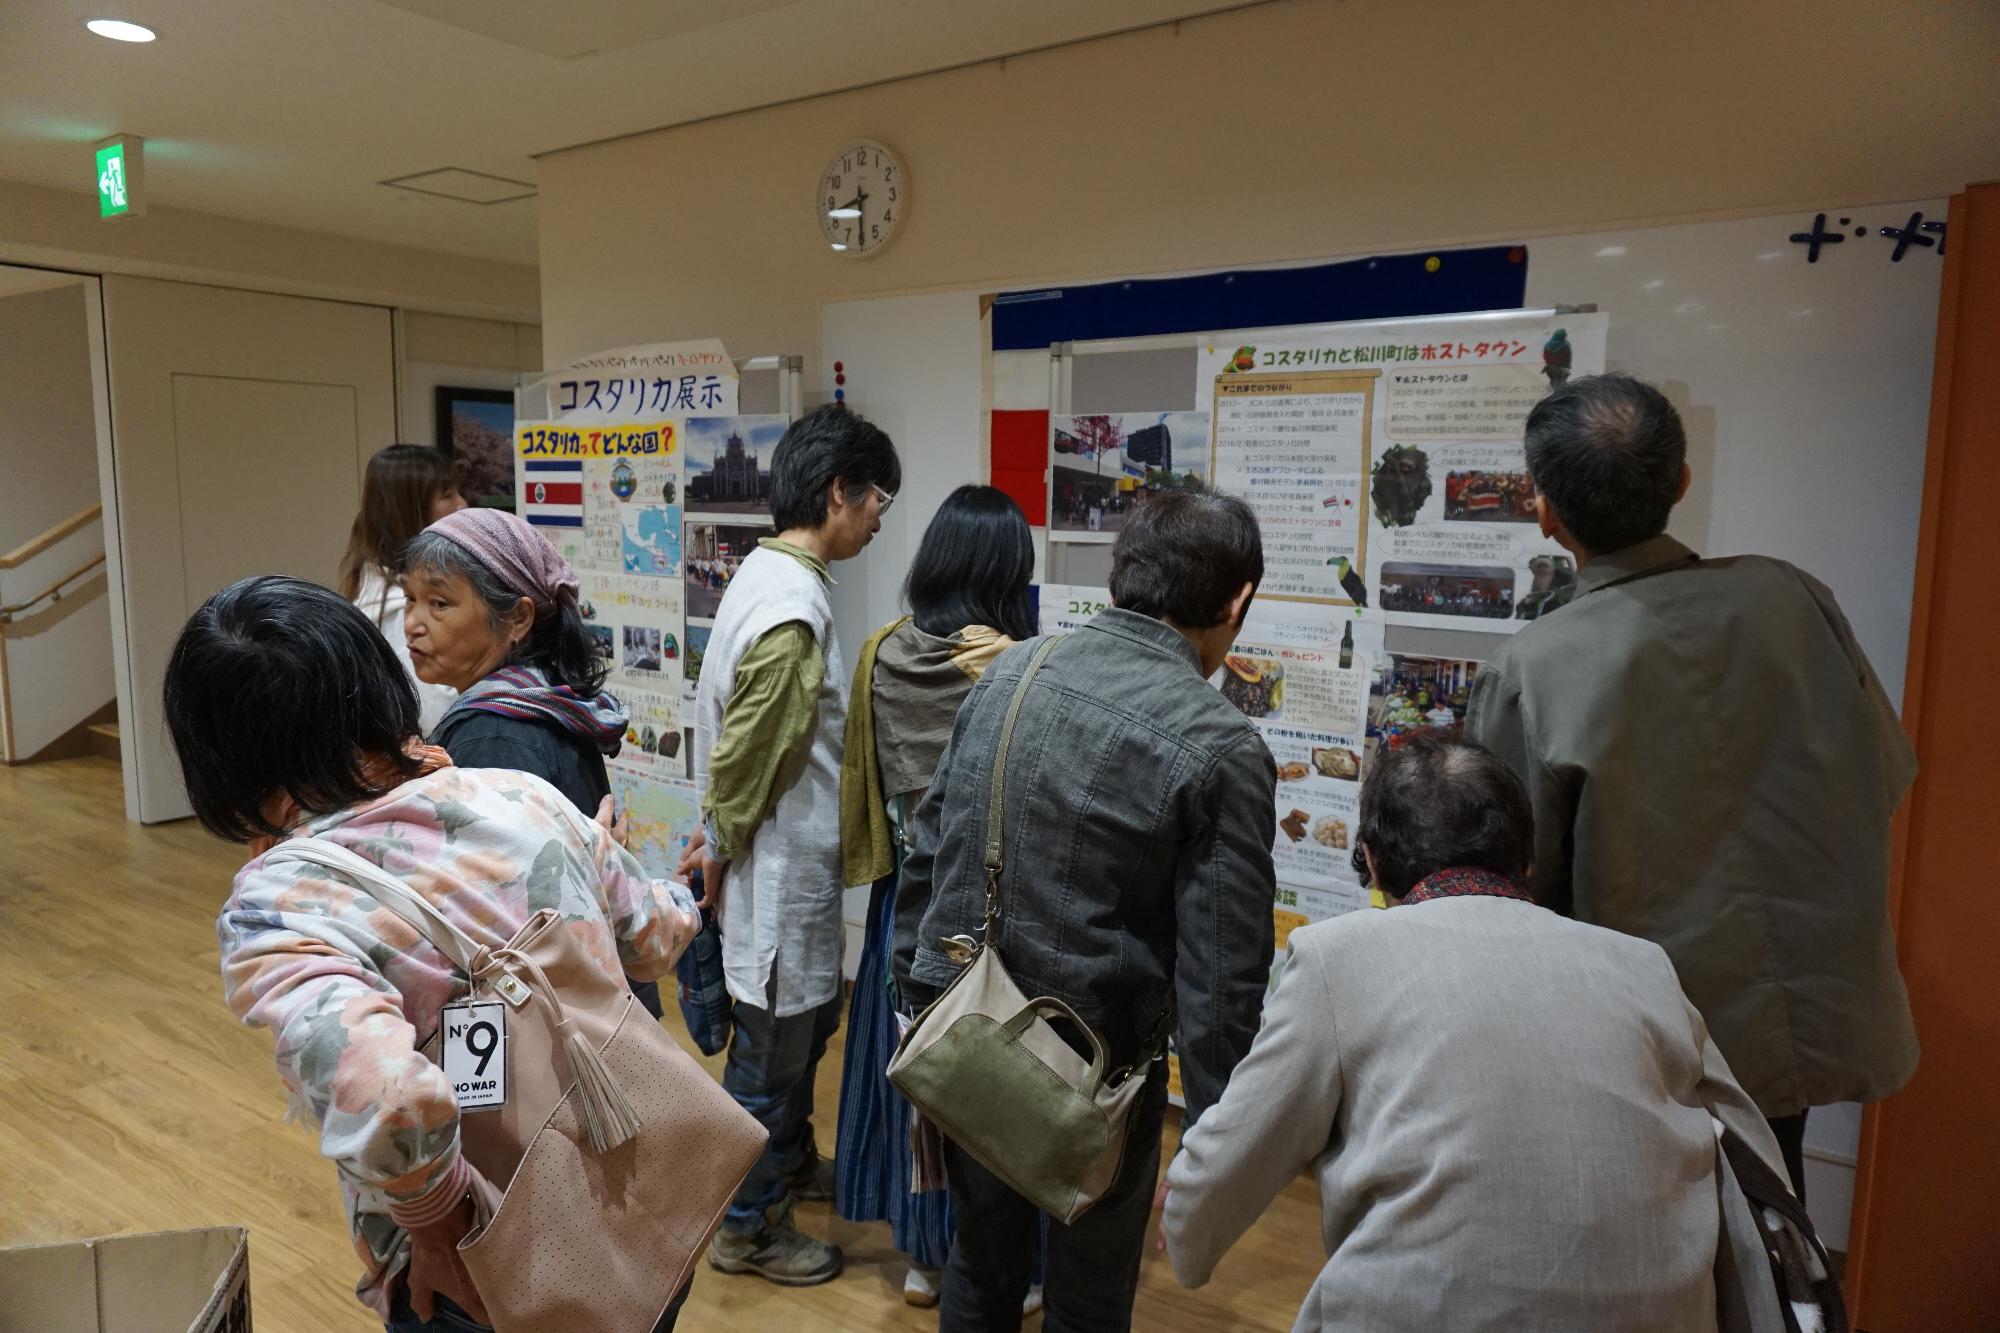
x=1513, y=1117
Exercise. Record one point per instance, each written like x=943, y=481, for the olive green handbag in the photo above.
x=984, y=1066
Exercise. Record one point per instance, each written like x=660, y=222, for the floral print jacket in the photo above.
x=352, y=992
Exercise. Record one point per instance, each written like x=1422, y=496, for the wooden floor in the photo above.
x=130, y=1100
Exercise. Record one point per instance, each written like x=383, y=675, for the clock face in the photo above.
x=863, y=195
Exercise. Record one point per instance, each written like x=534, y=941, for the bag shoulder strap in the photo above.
x=391, y=892
x=996, y=799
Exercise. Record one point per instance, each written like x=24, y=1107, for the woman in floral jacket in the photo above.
x=292, y=717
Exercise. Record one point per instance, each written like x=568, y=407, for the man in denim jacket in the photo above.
x=1137, y=828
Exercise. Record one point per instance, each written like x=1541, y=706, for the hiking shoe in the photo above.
x=811, y=1181
x=779, y=1252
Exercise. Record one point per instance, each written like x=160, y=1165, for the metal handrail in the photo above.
x=53, y=593
x=27, y=551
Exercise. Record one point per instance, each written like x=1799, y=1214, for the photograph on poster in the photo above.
x=643, y=652
x=603, y=642
x=1255, y=684
x=1551, y=586
x=1479, y=496
x=729, y=464
x=697, y=645
x=1102, y=466
x=1400, y=486
x=1412, y=695
x=715, y=551
x=1483, y=592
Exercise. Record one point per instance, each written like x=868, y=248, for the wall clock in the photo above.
x=863, y=196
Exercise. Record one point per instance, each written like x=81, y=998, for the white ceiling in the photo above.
x=291, y=111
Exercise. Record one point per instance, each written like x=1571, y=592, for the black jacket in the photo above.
x=567, y=762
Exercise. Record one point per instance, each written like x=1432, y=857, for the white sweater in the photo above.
x=381, y=599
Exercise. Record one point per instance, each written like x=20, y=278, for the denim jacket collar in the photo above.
x=1135, y=628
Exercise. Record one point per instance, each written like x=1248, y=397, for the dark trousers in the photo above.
x=448, y=1318
x=770, y=1074
x=1092, y=1273
x=1791, y=1133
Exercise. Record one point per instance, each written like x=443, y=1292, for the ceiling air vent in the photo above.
x=468, y=187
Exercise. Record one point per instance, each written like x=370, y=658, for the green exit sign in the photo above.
x=121, y=170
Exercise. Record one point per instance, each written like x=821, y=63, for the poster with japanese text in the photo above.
x=629, y=384
x=601, y=471
x=1307, y=693
x=1385, y=461
x=1064, y=607
x=1101, y=467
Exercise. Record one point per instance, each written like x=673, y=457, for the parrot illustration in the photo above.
x=1351, y=580
x=1556, y=356
x=1244, y=359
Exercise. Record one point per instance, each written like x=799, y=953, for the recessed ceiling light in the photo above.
x=118, y=30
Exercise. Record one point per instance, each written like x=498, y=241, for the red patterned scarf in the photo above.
x=1467, y=882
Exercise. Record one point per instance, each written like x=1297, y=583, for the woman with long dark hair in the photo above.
x=493, y=614
x=291, y=718
x=967, y=593
x=406, y=489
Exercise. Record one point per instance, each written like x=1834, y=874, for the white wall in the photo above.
x=58, y=660
x=61, y=229
x=1287, y=131
x=466, y=353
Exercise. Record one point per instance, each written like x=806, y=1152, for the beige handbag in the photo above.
x=615, y=1154
x=984, y=1066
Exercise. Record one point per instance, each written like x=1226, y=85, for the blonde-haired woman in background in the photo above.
x=408, y=487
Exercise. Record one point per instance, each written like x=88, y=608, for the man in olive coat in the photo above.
x=1712, y=762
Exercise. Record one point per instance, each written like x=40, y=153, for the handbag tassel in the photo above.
x=608, y=1117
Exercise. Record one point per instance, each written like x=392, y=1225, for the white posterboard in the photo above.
x=641, y=468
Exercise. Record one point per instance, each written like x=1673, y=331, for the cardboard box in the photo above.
x=160, y=1282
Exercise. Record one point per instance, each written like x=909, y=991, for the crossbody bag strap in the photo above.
x=996, y=800
x=391, y=892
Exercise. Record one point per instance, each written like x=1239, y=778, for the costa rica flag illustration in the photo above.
x=552, y=494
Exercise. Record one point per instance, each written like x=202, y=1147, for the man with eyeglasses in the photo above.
x=770, y=720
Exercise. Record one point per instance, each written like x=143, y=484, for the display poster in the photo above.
x=1102, y=466
x=1064, y=607
x=607, y=472
x=653, y=381
x=1413, y=694
x=1385, y=461
x=1301, y=673
x=1297, y=448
